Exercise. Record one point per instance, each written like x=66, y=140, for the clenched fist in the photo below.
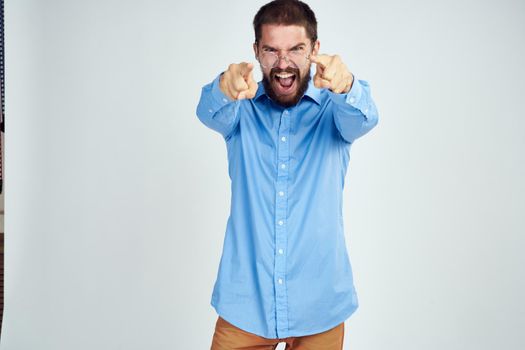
x=237, y=82
x=332, y=73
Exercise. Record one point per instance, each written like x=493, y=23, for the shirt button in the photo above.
x=280, y=251
x=283, y=166
x=280, y=281
x=210, y=110
x=283, y=138
x=281, y=222
x=366, y=110
x=352, y=99
x=224, y=100
x=285, y=111
x=281, y=193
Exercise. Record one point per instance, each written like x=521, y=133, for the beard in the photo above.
x=286, y=100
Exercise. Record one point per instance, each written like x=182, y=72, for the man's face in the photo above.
x=287, y=80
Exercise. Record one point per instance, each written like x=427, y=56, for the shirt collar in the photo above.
x=311, y=91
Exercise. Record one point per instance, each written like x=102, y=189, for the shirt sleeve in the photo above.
x=355, y=112
x=216, y=110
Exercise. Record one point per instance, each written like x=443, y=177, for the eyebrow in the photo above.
x=293, y=47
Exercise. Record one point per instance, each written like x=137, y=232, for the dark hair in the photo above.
x=286, y=12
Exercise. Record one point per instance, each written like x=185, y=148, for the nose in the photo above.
x=282, y=62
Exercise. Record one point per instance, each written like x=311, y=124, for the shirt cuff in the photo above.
x=355, y=97
x=220, y=97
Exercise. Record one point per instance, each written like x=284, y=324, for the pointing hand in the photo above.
x=332, y=74
x=237, y=82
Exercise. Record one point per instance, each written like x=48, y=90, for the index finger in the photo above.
x=245, y=68
x=322, y=60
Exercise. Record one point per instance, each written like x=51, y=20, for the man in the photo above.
x=285, y=274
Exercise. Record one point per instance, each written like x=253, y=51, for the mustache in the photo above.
x=291, y=70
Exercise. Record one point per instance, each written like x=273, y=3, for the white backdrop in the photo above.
x=117, y=196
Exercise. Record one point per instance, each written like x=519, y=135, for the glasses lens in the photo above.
x=299, y=58
x=270, y=59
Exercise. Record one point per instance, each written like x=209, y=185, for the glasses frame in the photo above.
x=279, y=57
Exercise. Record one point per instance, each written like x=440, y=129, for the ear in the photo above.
x=316, y=47
x=255, y=50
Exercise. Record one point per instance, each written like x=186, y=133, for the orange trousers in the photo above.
x=230, y=337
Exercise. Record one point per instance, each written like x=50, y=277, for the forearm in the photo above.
x=355, y=112
x=216, y=110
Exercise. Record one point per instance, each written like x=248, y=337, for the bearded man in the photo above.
x=285, y=273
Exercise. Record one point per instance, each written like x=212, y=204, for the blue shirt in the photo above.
x=284, y=269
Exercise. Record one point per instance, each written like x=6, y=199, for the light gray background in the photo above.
x=117, y=196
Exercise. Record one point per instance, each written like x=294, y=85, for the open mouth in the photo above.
x=285, y=81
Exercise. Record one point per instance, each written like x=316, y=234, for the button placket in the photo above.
x=281, y=231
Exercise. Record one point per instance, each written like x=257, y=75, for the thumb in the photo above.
x=252, y=88
x=241, y=95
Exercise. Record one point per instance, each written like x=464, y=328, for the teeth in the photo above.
x=284, y=75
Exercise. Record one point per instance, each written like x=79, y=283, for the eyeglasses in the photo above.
x=270, y=58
